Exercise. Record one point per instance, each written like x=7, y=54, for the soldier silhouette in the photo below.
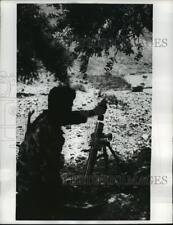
x=39, y=161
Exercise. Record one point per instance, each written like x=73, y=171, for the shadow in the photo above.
x=22, y=95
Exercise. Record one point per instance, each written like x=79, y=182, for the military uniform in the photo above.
x=39, y=185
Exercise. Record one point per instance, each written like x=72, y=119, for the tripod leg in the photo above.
x=105, y=155
x=117, y=158
x=91, y=161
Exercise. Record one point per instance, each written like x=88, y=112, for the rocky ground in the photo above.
x=128, y=115
x=128, y=118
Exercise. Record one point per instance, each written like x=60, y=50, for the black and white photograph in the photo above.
x=84, y=111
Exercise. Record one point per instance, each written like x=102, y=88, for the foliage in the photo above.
x=95, y=28
x=35, y=42
x=46, y=32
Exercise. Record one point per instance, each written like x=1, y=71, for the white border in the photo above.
x=161, y=195
x=162, y=113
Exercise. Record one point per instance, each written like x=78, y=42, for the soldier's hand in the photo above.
x=101, y=108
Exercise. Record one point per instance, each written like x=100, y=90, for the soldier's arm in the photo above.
x=76, y=117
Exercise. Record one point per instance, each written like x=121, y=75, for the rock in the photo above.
x=130, y=132
x=138, y=88
x=85, y=150
x=68, y=127
x=79, y=108
x=145, y=136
